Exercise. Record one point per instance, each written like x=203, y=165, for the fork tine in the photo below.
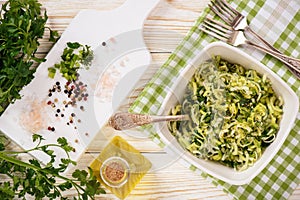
x=218, y=25
x=213, y=34
x=222, y=11
x=216, y=29
x=228, y=6
x=225, y=11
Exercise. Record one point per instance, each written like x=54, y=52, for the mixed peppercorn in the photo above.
x=74, y=92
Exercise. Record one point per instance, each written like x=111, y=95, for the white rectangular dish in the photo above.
x=175, y=94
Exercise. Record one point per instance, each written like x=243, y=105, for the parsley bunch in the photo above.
x=22, y=24
x=33, y=178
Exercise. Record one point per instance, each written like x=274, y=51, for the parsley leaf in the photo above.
x=22, y=24
x=37, y=180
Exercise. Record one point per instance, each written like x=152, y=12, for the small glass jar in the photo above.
x=115, y=171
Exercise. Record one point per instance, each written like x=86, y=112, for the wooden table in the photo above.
x=173, y=181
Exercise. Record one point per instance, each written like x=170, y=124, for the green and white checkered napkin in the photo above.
x=278, y=21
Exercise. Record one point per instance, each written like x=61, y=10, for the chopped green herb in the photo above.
x=74, y=56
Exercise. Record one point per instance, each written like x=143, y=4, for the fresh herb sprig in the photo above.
x=33, y=178
x=74, y=56
x=22, y=24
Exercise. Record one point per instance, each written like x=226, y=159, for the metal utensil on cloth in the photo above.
x=226, y=34
x=238, y=22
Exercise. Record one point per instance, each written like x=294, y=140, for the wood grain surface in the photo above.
x=172, y=181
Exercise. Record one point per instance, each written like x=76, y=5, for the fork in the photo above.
x=236, y=38
x=239, y=22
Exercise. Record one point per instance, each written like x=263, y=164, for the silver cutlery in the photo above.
x=237, y=21
x=236, y=38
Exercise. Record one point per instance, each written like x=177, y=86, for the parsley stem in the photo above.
x=4, y=156
x=27, y=165
x=37, y=148
x=16, y=161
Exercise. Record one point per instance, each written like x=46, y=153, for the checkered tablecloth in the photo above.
x=278, y=21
